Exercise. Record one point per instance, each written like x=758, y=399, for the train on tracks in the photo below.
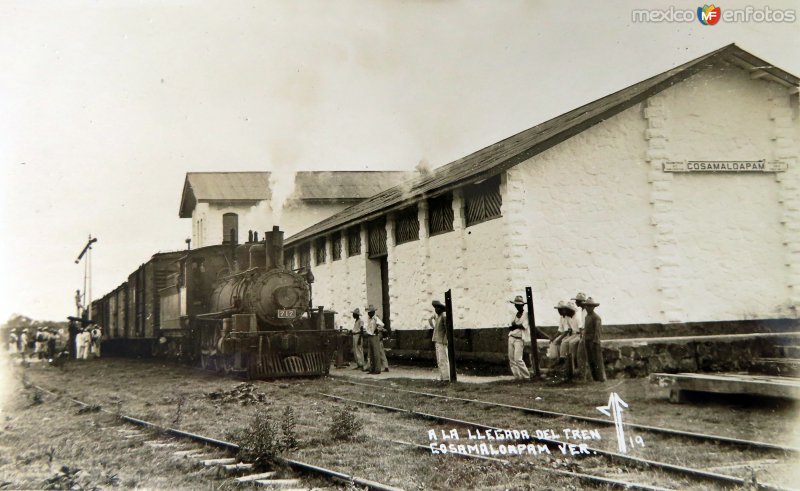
x=233, y=308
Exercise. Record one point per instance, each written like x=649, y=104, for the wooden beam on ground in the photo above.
x=255, y=477
x=727, y=383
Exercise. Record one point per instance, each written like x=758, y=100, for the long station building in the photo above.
x=670, y=206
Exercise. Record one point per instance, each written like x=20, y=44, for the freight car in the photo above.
x=227, y=307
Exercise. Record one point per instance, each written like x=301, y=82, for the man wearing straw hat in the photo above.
x=439, y=327
x=375, y=324
x=372, y=330
x=358, y=350
x=563, y=327
x=569, y=345
x=591, y=336
x=518, y=333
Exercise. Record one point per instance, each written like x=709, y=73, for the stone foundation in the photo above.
x=628, y=351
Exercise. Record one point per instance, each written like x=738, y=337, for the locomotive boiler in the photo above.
x=234, y=308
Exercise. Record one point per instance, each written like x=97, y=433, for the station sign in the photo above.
x=725, y=166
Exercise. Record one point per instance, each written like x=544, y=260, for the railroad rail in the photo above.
x=676, y=469
x=589, y=419
x=232, y=447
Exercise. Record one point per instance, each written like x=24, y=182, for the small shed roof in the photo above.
x=507, y=153
x=222, y=186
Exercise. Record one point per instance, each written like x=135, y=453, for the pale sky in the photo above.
x=104, y=106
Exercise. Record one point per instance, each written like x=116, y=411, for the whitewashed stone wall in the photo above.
x=585, y=216
x=658, y=247
x=340, y=285
x=730, y=261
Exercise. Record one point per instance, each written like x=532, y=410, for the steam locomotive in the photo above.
x=233, y=308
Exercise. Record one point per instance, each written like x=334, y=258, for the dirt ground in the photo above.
x=41, y=434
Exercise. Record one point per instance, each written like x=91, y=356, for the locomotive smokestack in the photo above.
x=274, y=242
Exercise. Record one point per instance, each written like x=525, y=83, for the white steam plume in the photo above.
x=281, y=185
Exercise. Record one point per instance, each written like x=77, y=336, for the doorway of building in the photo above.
x=385, y=292
x=378, y=287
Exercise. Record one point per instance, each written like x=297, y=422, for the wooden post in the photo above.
x=451, y=345
x=535, y=372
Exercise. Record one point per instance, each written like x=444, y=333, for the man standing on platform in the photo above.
x=440, y=339
x=517, y=335
x=382, y=331
x=358, y=330
x=591, y=336
x=373, y=329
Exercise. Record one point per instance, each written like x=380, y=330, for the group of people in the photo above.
x=87, y=342
x=45, y=342
x=368, y=348
x=37, y=343
x=575, y=349
x=576, y=346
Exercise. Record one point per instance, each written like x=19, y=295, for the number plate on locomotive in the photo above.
x=287, y=313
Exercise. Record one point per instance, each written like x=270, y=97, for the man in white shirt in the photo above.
x=373, y=329
x=563, y=328
x=571, y=329
x=519, y=332
x=358, y=350
x=575, y=340
x=438, y=324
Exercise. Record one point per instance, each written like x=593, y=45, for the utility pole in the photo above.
x=87, y=272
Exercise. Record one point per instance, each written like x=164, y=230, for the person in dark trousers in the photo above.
x=591, y=336
x=372, y=330
x=380, y=328
x=73, y=333
x=51, y=343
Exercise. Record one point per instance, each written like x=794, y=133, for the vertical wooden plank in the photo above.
x=535, y=372
x=451, y=345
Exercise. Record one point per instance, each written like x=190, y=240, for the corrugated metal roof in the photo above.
x=228, y=186
x=309, y=185
x=503, y=155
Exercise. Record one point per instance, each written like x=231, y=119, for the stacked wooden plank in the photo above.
x=727, y=383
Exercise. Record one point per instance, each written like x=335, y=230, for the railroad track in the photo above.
x=220, y=454
x=682, y=472
x=700, y=437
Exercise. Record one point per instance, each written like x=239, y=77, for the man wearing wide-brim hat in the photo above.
x=438, y=324
x=358, y=350
x=564, y=309
x=569, y=345
x=519, y=332
x=374, y=329
x=591, y=336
